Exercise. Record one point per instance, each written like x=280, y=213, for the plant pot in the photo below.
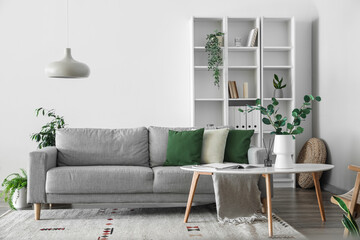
x=220, y=40
x=19, y=198
x=278, y=93
x=284, y=147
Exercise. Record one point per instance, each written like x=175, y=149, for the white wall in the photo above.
x=138, y=52
x=337, y=80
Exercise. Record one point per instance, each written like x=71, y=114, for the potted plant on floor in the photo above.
x=278, y=91
x=284, y=130
x=46, y=136
x=213, y=48
x=15, y=190
x=348, y=220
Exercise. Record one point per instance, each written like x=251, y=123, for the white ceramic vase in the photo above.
x=19, y=198
x=284, y=148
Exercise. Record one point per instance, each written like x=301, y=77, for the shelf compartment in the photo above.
x=208, y=112
x=241, y=27
x=277, y=32
x=205, y=26
x=204, y=85
x=242, y=75
x=268, y=87
x=277, y=59
x=246, y=59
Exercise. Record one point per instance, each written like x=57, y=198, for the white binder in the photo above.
x=242, y=118
x=232, y=116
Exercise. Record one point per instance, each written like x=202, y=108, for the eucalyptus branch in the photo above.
x=278, y=121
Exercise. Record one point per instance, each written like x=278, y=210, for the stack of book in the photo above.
x=233, y=92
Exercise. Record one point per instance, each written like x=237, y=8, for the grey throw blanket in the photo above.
x=237, y=198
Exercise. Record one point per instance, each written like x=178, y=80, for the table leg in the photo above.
x=268, y=203
x=191, y=195
x=318, y=195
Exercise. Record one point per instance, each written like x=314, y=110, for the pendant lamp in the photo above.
x=67, y=67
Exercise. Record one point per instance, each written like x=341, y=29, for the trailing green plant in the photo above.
x=280, y=122
x=215, y=59
x=46, y=136
x=11, y=183
x=277, y=83
x=348, y=220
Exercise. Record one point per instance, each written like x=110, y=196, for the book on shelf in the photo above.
x=233, y=90
x=224, y=166
x=231, y=93
x=236, y=91
x=252, y=37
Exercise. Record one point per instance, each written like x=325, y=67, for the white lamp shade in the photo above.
x=67, y=68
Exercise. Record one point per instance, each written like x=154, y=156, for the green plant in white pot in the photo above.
x=284, y=129
x=15, y=190
x=278, y=91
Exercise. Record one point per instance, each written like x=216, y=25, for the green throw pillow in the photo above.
x=184, y=148
x=237, y=146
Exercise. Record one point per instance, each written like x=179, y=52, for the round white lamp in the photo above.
x=67, y=68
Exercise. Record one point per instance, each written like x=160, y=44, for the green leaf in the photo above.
x=258, y=102
x=276, y=77
x=283, y=86
x=318, y=98
x=306, y=98
x=307, y=110
x=240, y=110
x=290, y=126
x=294, y=114
x=266, y=121
x=278, y=116
x=297, y=122
x=270, y=107
x=303, y=115
x=341, y=204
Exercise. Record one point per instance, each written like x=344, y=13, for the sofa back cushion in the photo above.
x=158, y=140
x=85, y=146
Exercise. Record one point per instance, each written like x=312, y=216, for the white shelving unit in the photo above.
x=274, y=52
x=278, y=57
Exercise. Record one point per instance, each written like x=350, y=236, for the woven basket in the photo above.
x=313, y=151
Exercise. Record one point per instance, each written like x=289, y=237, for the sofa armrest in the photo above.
x=40, y=162
x=257, y=155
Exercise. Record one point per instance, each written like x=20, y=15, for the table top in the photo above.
x=260, y=169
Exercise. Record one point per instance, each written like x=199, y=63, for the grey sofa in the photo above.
x=114, y=166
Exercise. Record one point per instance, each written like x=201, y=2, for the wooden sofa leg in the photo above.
x=37, y=208
x=264, y=205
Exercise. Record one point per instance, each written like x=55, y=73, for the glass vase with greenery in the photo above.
x=281, y=123
x=11, y=183
x=46, y=136
x=215, y=60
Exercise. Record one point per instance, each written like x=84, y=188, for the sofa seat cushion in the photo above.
x=174, y=180
x=99, y=179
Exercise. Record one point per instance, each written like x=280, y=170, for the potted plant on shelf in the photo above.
x=46, y=136
x=285, y=131
x=278, y=92
x=213, y=48
x=15, y=190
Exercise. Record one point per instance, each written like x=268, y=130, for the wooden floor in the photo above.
x=299, y=208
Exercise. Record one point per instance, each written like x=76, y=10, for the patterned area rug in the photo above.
x=143, y=223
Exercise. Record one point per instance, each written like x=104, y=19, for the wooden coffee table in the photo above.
x=265, y=172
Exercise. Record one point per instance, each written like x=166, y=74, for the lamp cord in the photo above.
x=67, y=23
